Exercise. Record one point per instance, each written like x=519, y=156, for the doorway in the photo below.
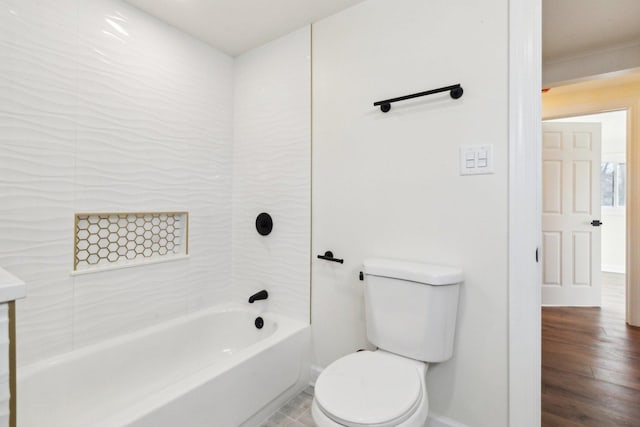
x=590, y=356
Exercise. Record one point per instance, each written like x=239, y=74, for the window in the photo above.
x=607, y=184
x=613, y=184
x=622, y=185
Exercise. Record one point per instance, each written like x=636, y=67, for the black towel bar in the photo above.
x=454, y=90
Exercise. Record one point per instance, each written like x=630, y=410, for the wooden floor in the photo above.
x=591, y=363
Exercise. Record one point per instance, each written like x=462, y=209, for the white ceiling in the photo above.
x=235, y=26
x=574, y=27
x=570, y=27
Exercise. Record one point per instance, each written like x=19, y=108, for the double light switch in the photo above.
x=476, y=159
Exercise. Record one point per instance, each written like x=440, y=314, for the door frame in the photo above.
x=525, y=189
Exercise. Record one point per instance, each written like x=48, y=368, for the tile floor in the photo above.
x=294, y=413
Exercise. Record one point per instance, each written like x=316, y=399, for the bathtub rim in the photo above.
x=285, y=326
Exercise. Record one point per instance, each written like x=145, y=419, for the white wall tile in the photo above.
x=104, y=108
x=93, y=119
x=119, y=301
x=272, y=155
x=37, y=136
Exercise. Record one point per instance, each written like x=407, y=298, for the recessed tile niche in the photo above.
x=112, y=240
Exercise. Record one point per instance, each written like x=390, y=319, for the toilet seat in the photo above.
x=370, y=389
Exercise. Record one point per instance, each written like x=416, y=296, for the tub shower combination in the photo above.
x=199, y=370
x=230, y=365
x=130, y=191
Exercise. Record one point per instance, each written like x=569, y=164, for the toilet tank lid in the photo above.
x=413, y=271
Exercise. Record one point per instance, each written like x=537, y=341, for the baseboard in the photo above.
x=613, y=269
x=314, y=373
x=436, y=420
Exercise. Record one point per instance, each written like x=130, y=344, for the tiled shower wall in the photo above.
x=103, y=108
x=272, y=173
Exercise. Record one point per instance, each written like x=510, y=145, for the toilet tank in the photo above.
x=411, y=308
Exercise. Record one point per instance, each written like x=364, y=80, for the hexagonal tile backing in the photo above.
x=103, y=239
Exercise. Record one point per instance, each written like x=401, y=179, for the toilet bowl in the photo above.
x=411, y=311
x=371, y=388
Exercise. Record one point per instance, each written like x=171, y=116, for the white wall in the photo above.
x=103, y=108
x=387, y=185
x=614, y=146
x=272, y=173
x=613, y=240
x=614, y=142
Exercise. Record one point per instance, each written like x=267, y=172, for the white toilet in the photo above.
x=411, y=311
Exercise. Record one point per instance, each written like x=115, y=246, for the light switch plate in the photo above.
x=476, y=159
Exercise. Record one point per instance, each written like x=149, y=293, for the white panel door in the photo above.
x=570, y=205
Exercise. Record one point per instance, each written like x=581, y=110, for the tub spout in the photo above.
x=258, y=296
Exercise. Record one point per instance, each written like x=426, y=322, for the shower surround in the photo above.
x=104, y=108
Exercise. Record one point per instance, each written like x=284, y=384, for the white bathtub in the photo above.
x=213, y=368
